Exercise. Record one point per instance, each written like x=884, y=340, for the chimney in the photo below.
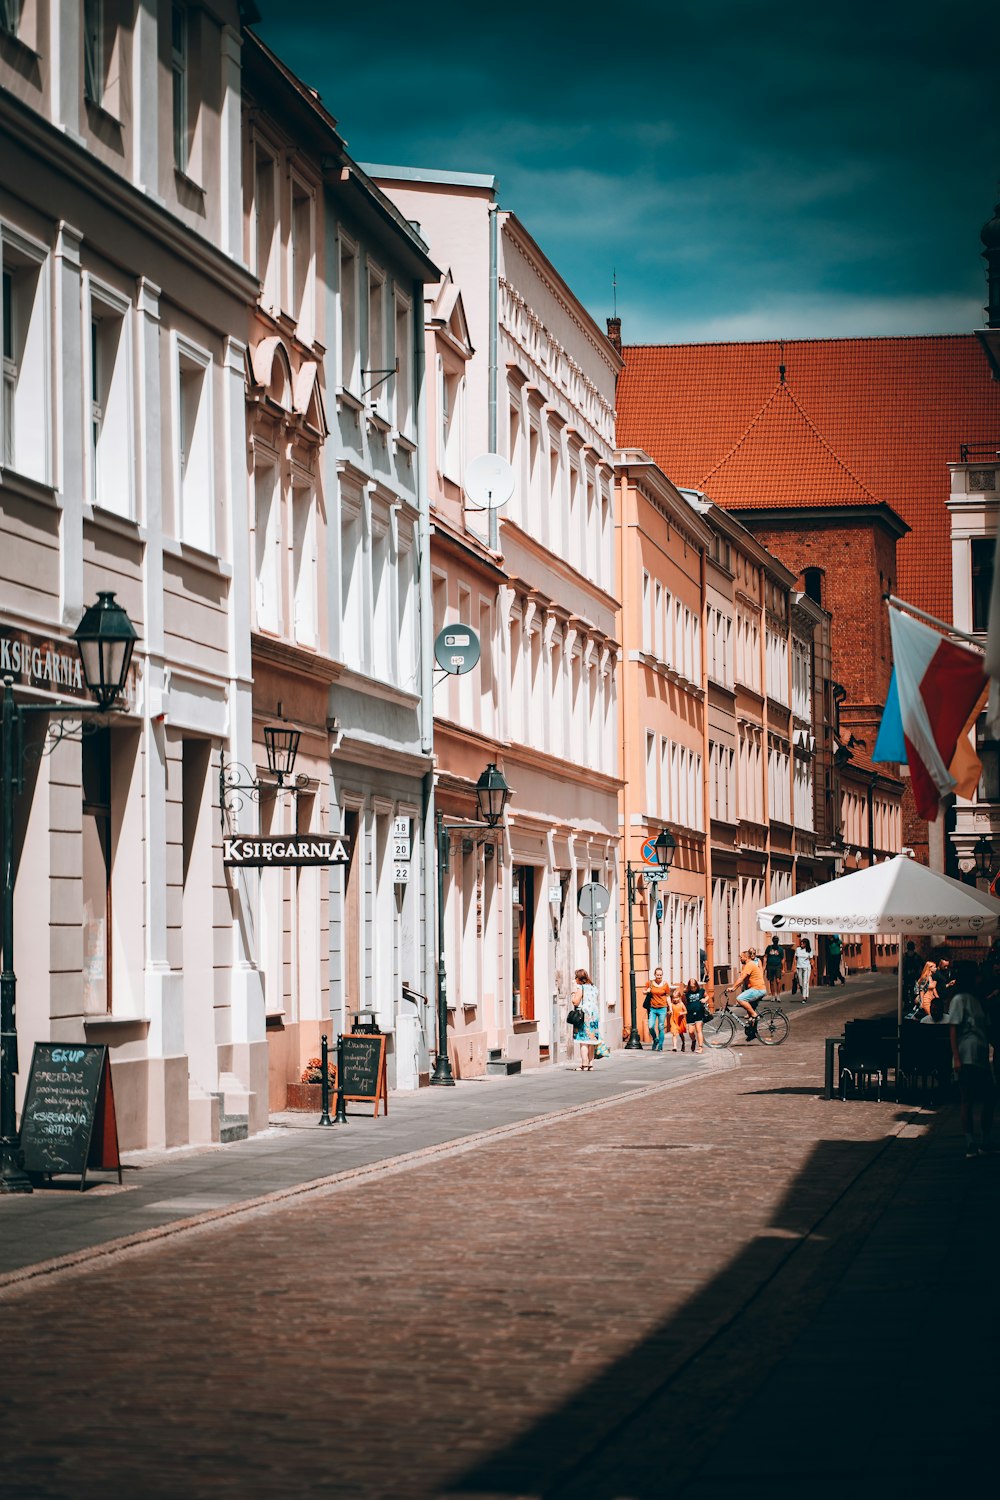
x=615, y=333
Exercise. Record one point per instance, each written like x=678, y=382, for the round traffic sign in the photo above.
x=456, y=649
x=649, y=851
x=593, y=899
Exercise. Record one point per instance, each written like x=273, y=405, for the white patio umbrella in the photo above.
x=899, y=896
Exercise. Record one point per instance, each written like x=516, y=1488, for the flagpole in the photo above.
x=921, y=614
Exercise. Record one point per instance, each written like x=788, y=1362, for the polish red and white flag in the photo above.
x=941, y=687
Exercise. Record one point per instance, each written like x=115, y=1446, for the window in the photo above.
x=265, y=224
x=381, y=612
x=983, y=550
x=179, y=78
x=93, y=51
x=194, y=513
x=375, y=382
x=110, y=453
x=650, y=772
x=304, y=564
x=352, y=581
x=348, y=315
x=451, y=397
x=267, y=543
x=812, y=580
x=24, y=442
x=10, y=16
x=408, y=607
x=301, y=271
x=404, y=360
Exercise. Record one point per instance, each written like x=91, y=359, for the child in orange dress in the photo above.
x=678, y=1019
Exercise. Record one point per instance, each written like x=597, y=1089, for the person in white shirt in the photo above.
x=803, y=967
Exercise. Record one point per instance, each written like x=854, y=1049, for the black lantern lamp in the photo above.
x=984, y=857
x=492, y=795
x=105, y=637
x=663, y=849
x=281, y=743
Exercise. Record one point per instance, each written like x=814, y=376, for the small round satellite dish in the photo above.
x=456, y=649
x=489, y=481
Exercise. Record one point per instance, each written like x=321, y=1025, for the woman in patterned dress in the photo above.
x=587, y=1032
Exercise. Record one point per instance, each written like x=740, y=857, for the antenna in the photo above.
x=781, y=367
x=614, y=290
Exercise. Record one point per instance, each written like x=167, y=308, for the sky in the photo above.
x=741, y=170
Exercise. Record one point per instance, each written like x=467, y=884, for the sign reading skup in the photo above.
x=334, y=850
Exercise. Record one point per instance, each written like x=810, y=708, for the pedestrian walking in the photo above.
x=803, y=967
x=774, y=963
x=970, y=1051
x=834, y=950
x=588, y=1030
x=659, y=1009
x=678, y=1020
x=697, y=1013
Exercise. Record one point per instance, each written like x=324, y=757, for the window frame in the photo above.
x=185, y=351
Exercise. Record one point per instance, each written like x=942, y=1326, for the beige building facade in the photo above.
x=123, y=442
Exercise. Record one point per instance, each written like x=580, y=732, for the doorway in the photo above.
x=523, y=931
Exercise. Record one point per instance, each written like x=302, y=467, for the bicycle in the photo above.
x=771, y=1025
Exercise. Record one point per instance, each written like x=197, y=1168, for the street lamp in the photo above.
x=983, y=852
x=492, y=796
x=663, y=847
x=281, y=746
x=105, y=638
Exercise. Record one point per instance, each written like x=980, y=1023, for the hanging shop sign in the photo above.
x=266, y=853
x=42, y=662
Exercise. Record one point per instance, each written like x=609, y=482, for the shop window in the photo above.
x=523, y=929
x=97, y=864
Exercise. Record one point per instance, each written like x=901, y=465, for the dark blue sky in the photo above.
x=748, y=170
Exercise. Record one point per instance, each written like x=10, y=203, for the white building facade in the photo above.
x=537, y=388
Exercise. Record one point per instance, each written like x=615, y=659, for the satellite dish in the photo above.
x=489, y=481
x=456, y=649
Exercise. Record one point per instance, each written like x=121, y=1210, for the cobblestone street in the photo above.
x=673, y=1291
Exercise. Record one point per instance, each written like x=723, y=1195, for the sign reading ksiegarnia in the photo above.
x=332, y=850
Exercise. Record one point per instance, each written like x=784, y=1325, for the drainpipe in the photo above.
x=426, y=646
x=493, y=356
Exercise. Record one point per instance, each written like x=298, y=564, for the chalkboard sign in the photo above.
x=68, y=1122
x=364, y=1069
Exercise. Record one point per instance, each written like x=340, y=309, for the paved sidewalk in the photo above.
x=169, y=1190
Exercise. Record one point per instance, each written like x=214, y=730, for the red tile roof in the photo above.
x=855, y=421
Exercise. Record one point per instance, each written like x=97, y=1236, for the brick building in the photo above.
x=834, y=452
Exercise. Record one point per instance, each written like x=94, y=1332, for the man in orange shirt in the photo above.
x=753, y=972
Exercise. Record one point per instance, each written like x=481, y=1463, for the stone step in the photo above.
x=233, y=1128
x=503, y=1065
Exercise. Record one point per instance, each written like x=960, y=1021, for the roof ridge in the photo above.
x=857, y=338
x=816, y=432
x=741, y=439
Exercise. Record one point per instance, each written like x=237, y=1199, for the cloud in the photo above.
x=725, y=157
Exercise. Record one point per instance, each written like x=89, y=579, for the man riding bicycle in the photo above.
x=753, y=973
